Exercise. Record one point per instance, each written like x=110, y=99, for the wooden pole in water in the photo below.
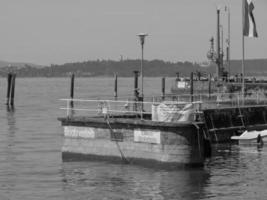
x=177, y=76
x=12, y=94
x=136, y=92
x=163, y=87
x=192, y=86
x=9, y=77
x=209, y=85
x=72, y=90
x=116, y=86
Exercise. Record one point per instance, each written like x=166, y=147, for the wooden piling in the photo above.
x=163, y=88
x=9, y=77
x=12, y=92
x=209, y=85
x=115, y=86
x=177, y=76
x=192, y=86
x=136, y=92
x=72, y=90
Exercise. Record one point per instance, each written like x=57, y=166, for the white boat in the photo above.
x=251, y=137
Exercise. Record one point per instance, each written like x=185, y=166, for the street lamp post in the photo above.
x=142, y=41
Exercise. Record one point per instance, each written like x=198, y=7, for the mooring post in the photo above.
x=12, y=93
x=192, y=86
x=163, y=88
x=72, y=90
x=115, y=86
x=177, y=76
x=9, y=77
x=136, y=90
x=209, y=85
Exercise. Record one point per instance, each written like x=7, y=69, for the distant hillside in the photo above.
x=253, y=67
x=17, y=64
x=125, y=68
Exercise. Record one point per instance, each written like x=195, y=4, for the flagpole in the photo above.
x=229, y=39
x=243, y=51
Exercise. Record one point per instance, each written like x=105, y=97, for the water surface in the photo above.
x=31, y=166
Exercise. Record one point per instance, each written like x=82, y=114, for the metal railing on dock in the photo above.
x=129, y=105
x=93, y=107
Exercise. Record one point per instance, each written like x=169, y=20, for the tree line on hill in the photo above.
x=125, y=68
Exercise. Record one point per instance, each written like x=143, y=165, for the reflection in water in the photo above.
x=8, y=151
x=99, y=180
x=233, y=171
x=10, y=108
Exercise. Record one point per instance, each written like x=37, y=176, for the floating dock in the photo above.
x=170, y=130
x=134, y=141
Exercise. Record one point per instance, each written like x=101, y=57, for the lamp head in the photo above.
x=142, y=37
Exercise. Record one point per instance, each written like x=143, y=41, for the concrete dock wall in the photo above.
x=180, y=146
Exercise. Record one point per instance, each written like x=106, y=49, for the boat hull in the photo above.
x=251, y=137
x=251, y=141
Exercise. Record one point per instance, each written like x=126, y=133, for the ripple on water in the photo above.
x=31, y=167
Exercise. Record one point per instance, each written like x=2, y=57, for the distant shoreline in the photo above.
x=125, y=68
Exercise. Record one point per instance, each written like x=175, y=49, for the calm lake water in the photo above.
x=31, y=166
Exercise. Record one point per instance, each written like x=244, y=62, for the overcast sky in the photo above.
x=59, y=31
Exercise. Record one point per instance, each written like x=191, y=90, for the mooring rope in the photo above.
x=207, y=145
x=116, y=141
x=197, y=127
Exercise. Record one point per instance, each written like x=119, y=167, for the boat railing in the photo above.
x=136, y=107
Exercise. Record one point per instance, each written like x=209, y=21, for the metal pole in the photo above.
x=142, y=77
x=218, y=44
x=229, y=34
x=243, y=52
x=142, y=80
x=142, y=40
x=221, y=27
